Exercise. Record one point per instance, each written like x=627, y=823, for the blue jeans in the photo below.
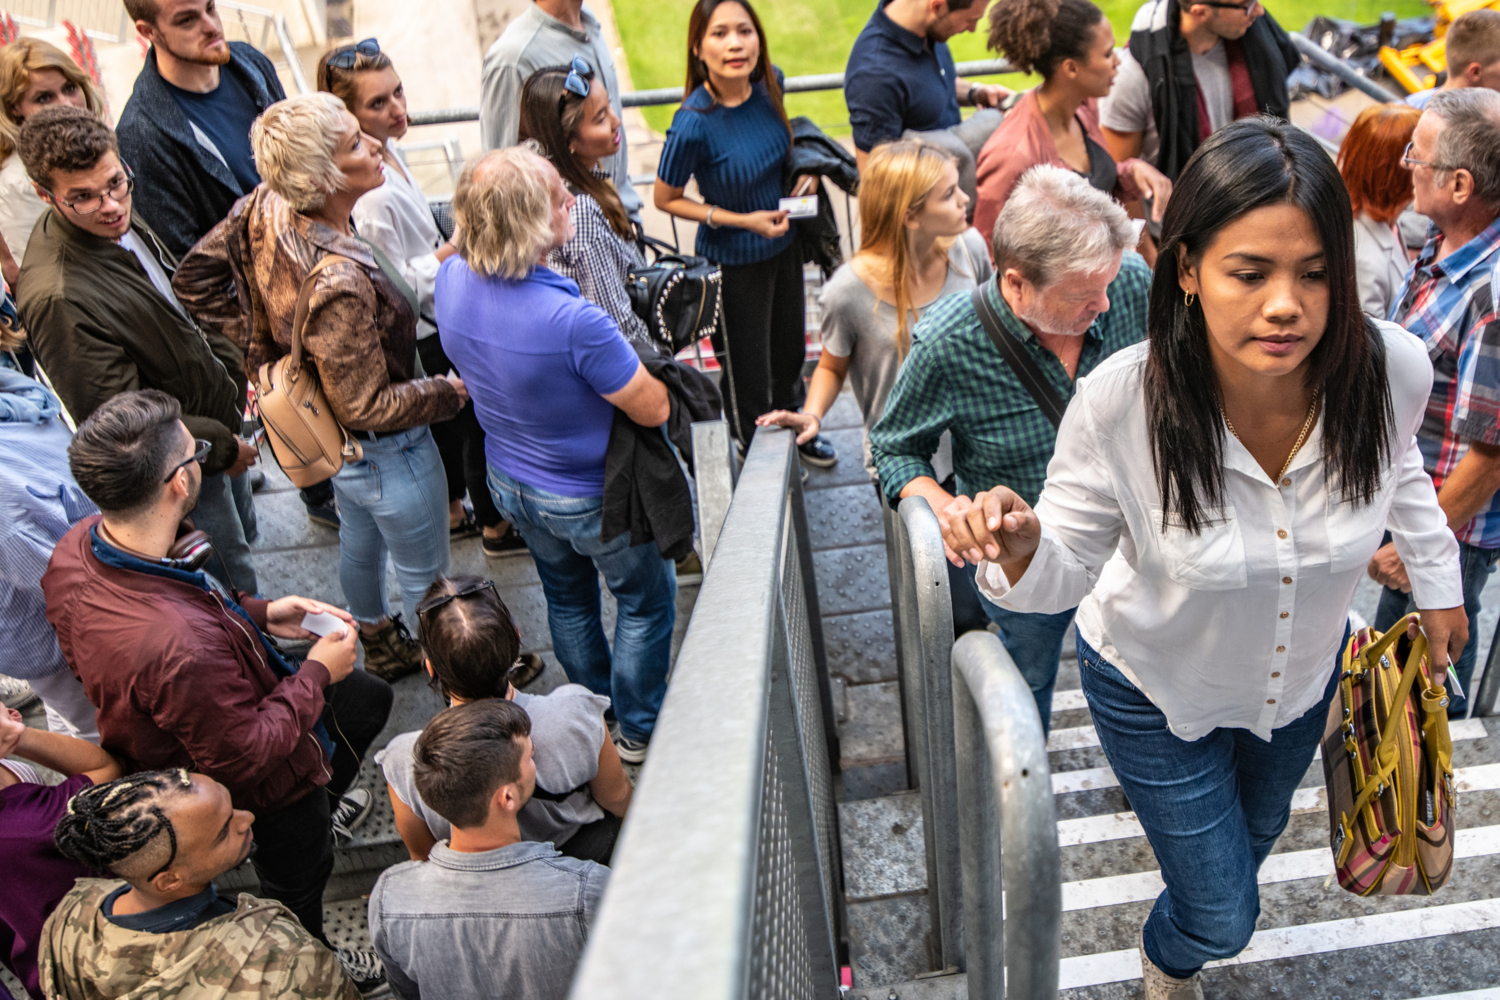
x=563, y=536
x=218, y=514
x=1477, y=565
x=1035, y=642
x=1212, y=810
x=394, y=500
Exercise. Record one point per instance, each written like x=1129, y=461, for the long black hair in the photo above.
x=1249, y=164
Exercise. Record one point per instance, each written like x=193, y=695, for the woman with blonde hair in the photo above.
x=916, y=246
x=33, y=75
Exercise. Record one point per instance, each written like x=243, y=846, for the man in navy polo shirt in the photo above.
x=900, y=75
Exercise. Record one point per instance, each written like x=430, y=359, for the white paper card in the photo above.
x=323, y=623
x=800, y=208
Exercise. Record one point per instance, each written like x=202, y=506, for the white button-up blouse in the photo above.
x=1238, y=625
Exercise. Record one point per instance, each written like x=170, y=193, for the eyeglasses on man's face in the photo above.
x=89, y=204
x=1409, y=163
x=1245, y=8
x=199, y=455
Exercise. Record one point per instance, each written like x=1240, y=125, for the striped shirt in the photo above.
x=599, y=261
x=955, y=379
x=40, y=502
x=1450, y=306
x=736, y=154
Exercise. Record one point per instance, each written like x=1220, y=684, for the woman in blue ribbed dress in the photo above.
x=731, y=135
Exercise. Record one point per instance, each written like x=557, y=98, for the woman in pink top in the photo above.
x=1070, y=44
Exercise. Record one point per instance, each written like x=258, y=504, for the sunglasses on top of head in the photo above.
x=345, y=58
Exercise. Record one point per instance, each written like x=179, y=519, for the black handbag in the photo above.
x=678, y=295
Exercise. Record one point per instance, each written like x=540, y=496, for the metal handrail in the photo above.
x=1012, y=866
x=1487, y=688
x=922, y=614
x=1324, y=59
x=289, y=52
x=673, y=95
x=726, y=883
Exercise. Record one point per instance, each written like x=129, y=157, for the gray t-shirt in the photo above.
x=1128, y=106
x=567, y=730
x=857, y=323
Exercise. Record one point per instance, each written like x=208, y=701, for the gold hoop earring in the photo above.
x=1187, y=299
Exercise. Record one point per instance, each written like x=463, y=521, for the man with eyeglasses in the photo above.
x=549, y=33
x=97, y=296
x=1189, y=70
x=183, y=668
x=186, y=131
x=1447, y=300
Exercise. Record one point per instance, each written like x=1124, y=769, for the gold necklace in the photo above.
x=1312, y=412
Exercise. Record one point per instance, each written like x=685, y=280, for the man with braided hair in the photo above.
x=164, y=930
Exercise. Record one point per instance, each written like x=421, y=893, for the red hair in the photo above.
x=1370, y=160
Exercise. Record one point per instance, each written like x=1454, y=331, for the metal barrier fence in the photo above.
x=1012, y=866
x=727, y=882
x=974, y=737
x=922, y=613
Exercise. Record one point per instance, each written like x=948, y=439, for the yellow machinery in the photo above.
x=1416, y=66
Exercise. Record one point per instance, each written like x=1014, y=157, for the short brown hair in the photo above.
x=63, y=138
x=1370, y=160
x=143, y=10
x=1473, y=38
x=123, y=450
x=466, y=754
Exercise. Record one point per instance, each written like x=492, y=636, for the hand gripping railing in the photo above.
x=922, y=613
x=727, y=883
x=1012, y=869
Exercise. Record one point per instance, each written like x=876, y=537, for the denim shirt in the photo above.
x=525, y=908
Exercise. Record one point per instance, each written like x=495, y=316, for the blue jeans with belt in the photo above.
x=1477, y=565
x=563, y=536
x=1212, y=810
x=393, y=501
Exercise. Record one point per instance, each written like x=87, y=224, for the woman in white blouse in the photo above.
x=397, y=221
x=33, y=75
x=1213, y=499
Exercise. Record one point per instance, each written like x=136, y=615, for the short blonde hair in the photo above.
x=502, y=209
x=18, y=61
x=294, y=142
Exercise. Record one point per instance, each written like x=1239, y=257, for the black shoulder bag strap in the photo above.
x=1022, y=363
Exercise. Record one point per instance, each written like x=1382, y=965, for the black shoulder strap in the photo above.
x=1022, y=363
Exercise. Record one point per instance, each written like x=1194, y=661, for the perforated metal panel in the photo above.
x=780, y=964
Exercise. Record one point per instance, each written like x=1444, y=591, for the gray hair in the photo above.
x=1054, y=223
x=1470, y=139
x=502, y=207
x=294, y=141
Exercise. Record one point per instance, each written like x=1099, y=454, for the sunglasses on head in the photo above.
x=345, y=58
x=429, y=606
x=579, y=73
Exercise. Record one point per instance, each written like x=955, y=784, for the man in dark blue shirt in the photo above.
x=900, y=74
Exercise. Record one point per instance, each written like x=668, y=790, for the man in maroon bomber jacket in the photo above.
x=179, y=666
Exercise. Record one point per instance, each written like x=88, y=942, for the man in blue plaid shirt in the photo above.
x=1067, y=287
x=1454, y=159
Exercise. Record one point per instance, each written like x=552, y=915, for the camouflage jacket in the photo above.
x=258, y=951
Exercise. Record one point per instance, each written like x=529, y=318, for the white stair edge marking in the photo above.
x=1086, y=780
x=1080, y=737
x=1139, y=887
x=1493, y=993
x=1308, y=939
x=1121, y=826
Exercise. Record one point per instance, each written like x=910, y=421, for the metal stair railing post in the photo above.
x=727, y=881
x=714, y=469
x=1012, y=867
x=922, y=611
x=1487, y=688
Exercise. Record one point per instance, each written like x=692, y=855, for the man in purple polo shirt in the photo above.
x=546, y=370
x=35, y=874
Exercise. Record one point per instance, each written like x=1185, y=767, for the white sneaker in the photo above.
x=1160, y=986
x=16, y=693
x=363, y=967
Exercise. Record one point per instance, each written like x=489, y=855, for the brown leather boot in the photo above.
x=391, y=653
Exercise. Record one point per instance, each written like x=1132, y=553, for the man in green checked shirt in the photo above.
x=1071, y=290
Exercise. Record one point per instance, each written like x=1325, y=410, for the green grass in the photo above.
x=814, y=36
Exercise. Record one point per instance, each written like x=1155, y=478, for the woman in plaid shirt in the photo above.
x=565, y=111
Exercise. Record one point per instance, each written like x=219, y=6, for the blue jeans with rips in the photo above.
x=563, y=536
x=1035, y=642
x=393, y=501
x=1212, y=809
x=1477, y=564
